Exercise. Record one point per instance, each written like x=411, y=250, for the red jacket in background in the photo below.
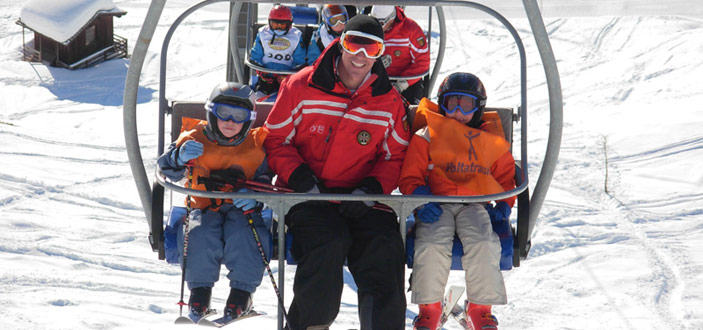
x=343, y=136
x=407, y=45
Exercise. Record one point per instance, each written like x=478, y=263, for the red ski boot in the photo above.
x=428, y=318
x=481, y=317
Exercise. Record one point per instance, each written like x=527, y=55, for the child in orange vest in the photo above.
x=455, y=155
x=220, y=150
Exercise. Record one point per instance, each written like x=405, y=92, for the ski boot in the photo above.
x=428, y=317
x=238, y=304
x=199, y=301
x=481, y=317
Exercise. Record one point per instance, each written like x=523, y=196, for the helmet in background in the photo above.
x=230, y=93
x=332, y=15
x=465, y=83
x=385, y=15
x=280, y=15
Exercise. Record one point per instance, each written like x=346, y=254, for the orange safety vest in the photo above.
x=454, y=159
x=247, y=156
x=463, y=155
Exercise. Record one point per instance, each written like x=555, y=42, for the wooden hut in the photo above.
x=71, y=33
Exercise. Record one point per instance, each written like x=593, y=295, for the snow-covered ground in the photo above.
x=73, y=248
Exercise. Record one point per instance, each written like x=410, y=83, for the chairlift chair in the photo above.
x=151, y=196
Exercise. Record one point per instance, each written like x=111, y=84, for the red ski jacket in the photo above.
x=342, y=136
x=407, y=45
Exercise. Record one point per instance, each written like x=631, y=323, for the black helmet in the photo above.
x=230, y=93
x=465, y=83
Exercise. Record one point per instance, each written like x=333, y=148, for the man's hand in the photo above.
x=386, y=60
x=355, y=209
x=400, y=85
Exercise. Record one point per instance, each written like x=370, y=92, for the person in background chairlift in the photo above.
x=339, y=126
x=407, y=53
x=224, y=147
x=334, y=19
x=278, y=46
x=455, y=155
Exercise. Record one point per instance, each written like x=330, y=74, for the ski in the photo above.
x=451, y=300
x=227, y=319
x=459, y=315
x=193, y=318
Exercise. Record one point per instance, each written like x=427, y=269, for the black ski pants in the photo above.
x=372, y=246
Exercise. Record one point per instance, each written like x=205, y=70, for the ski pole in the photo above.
x=186, y=224
x=266, y=264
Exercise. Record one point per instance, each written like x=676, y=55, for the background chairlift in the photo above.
x=152, y=196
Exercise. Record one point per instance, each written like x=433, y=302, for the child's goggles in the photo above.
x=333, y=20
x=227, y=112
x=279, y=25
x=354, y=42
x=464, y=102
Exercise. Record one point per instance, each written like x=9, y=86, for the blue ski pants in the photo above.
x=225, y=237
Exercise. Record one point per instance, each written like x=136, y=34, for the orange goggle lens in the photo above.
x=279, y=25
x=355, y=44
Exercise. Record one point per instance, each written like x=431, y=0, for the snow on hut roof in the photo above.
x=62, y=20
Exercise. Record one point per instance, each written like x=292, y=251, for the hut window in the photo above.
x=90, y=35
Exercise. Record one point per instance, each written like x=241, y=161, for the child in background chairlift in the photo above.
x=278, y=46
x=334, y=19
x=455, y=155
x=219, y=231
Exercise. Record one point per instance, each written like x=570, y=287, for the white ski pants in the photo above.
x=481, y=259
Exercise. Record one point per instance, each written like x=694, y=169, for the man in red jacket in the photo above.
x=406, y=54
x=339, y=127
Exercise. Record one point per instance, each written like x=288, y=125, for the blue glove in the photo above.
x=244, y=203
x=429, y=213
x=187, y=151
x=498, y=212
x=422, y=190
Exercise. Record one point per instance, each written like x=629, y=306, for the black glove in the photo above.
x=303, y=180
x=357, y=209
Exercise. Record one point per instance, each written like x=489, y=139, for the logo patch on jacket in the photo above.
x=396, y=53
x=421, y=41
x=280, y=43
x=364, y=137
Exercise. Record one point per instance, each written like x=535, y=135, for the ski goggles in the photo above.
x=334, y=20
x=354, y=42
x=231, y=112
x=280, y=25
x=464, y=102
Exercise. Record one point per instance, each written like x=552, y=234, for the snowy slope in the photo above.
x=73, y=251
